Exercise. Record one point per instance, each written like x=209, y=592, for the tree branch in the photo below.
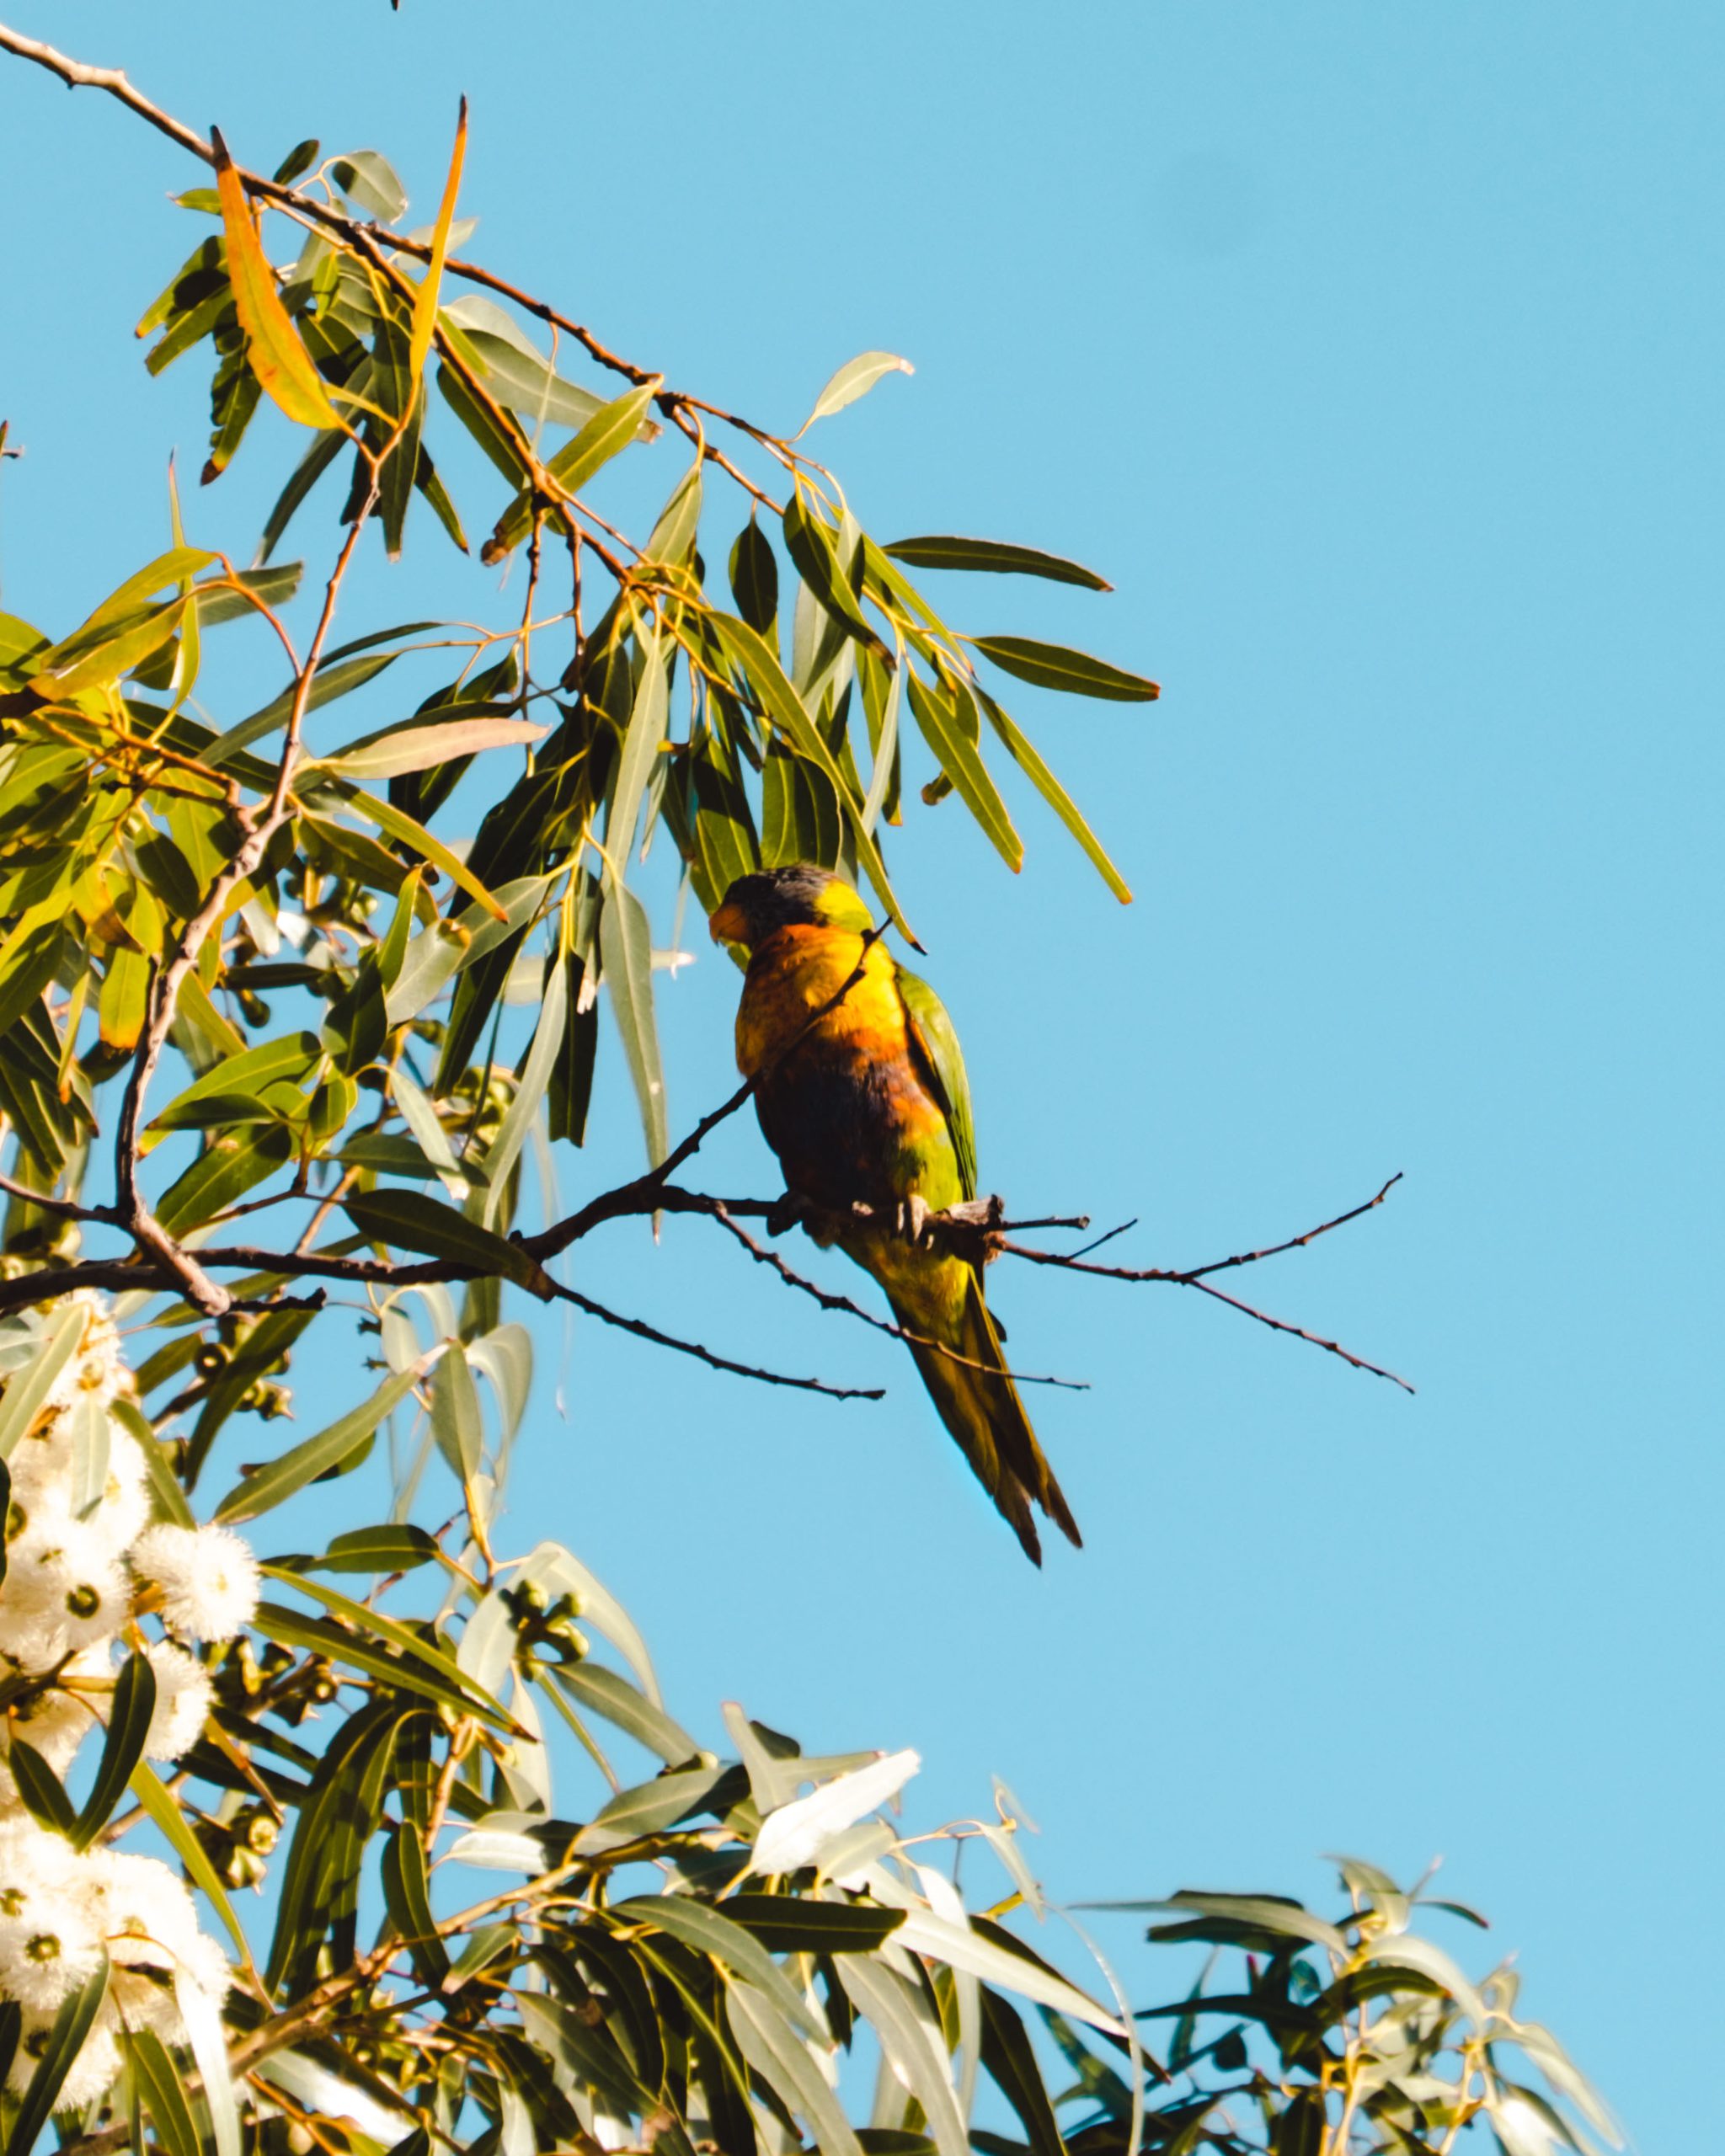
x=829, y=1301
x=1299, y=1332
x=673, y=404
x=977, y=1229
x=1196, y=1276
x=642, y=1330
x=134, y=1213
x=62, y=1208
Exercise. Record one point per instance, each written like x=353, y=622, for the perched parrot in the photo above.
x=872, y=1105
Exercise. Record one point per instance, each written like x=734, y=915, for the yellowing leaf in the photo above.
x=123, y=1001
x=273, y=347
x=426, y=299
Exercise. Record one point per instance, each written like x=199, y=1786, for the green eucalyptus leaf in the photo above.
x=640, y=751
x=995, y=557
x=612, y=428
x=649, y=1809
x=163, y=2092
x=584, y=2052
x=72, y=2023
x=338, y=678
x=222, y=1175
x=733, y=1947
x=946, y=716
x=122, y=1747
x=1021, y=752
x=602, y=1692
x=1075, y=673
x=408, y=1896
x=171, y=1822
x=409, y=1219
x=44, y=1793
x=770, y=2038
x=424, y=1678
x=754, y=575
x=418, y=746
x=799, y=1924
x=626, y=942
x=398, y=1548
x=1012, y=2064
x=367, y=178
x=244, y=1077
x=456, y=1421
x=29, y=960
x=272, y=1484
x=299, y=159
x=788, y=711
x=60, y=1338
x=814, y=548
x=672, y=538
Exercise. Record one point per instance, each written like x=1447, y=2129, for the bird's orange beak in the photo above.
x=728, y=925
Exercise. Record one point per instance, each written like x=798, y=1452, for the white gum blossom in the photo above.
x=87, y=1568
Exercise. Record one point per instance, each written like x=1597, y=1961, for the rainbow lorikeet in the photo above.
x=871, y=1105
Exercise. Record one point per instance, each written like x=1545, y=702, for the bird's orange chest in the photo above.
x=799, y=970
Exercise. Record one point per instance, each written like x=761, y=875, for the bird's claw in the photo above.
x=910, y=1218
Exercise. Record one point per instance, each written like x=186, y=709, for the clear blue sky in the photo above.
x=1373, y=352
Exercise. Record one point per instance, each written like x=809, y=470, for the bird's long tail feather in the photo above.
x=981, y=1408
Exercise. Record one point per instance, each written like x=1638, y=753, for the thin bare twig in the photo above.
x=1299, y=1332
x=1198, y=1276
x=134, y=1213
x=1106, y=1235
x=1299, y=1242
x=62, y=1208
x=829, y=1301
x=642, y=1330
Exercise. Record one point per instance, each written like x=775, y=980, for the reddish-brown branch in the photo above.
x=79, y=75
x=134, y=1212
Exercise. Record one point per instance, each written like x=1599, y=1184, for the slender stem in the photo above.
x=829, y=1301
x=642, y=1330
x=140, y=1222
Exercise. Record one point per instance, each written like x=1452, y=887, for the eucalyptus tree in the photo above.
x=289, y=1003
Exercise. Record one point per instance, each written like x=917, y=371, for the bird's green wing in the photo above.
x=932, y=1030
